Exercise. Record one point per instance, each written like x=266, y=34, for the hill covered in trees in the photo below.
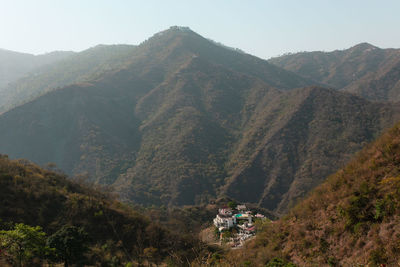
x=364, y=70
x=351, y=219
x=185, y=121
x=107, y=231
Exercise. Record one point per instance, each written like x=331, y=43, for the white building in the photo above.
x=225, y=211
x=260, y=216
x=241, y=207
x=224, y=221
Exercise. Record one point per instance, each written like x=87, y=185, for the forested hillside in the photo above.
x=114, y=233
x=185, y=121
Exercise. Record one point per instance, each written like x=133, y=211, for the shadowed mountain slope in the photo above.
x=364, y=70
x=186, y=121
x=297, y=140
x=34, y=196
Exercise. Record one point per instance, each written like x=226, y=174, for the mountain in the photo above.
x=14, y=65
x=352, y=219
x=297, y=139
x=187, y=120
x=79, y=67
x=117, y=233
x=364, y=70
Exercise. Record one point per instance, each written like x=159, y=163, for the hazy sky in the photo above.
x=262, y=28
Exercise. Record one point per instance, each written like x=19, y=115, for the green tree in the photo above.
x=70, y=244
x=278, y=262
x=232, y=204
x=23, y=243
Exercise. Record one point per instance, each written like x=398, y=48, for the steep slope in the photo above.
x=188, y=134
x=351, y=219
x=185, y=121
x=79, y=67
x=184, y=43
x=34, y=196
x=364, y=70
x=14, y=65
x=73, y=127
x=384, y=84
x=294, y=141
x=116, y=122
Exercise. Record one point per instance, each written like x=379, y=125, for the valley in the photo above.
x=183, y=151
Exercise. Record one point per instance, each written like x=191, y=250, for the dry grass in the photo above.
x=353, y=218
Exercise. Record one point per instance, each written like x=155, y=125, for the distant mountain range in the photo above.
x=181, y=120
x=364, y=70
x=62, y=71
x=14, y=65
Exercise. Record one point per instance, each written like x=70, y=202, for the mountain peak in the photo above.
x=175, y=30
x=180, y=28
x=171, y=35
x=363, y=47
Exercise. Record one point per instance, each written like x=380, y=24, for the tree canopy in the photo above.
x=23, y=243
x=70, y=243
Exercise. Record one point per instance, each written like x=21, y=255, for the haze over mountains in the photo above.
x=182, y=120
x=14, y=65
x=62, y=71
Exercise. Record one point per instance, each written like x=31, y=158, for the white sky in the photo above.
x=262, y=28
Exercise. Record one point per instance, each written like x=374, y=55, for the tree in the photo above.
x=277, y=262
x=24, y=243
x=232, y=204
x=70, y=244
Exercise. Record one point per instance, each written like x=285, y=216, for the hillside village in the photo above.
x=236, y=225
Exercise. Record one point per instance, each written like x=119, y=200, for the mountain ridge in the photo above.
x=79, y=67
x=185, y=121
x=365, y=70
x=15, y=65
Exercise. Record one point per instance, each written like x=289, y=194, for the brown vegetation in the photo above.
x=352, y=218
